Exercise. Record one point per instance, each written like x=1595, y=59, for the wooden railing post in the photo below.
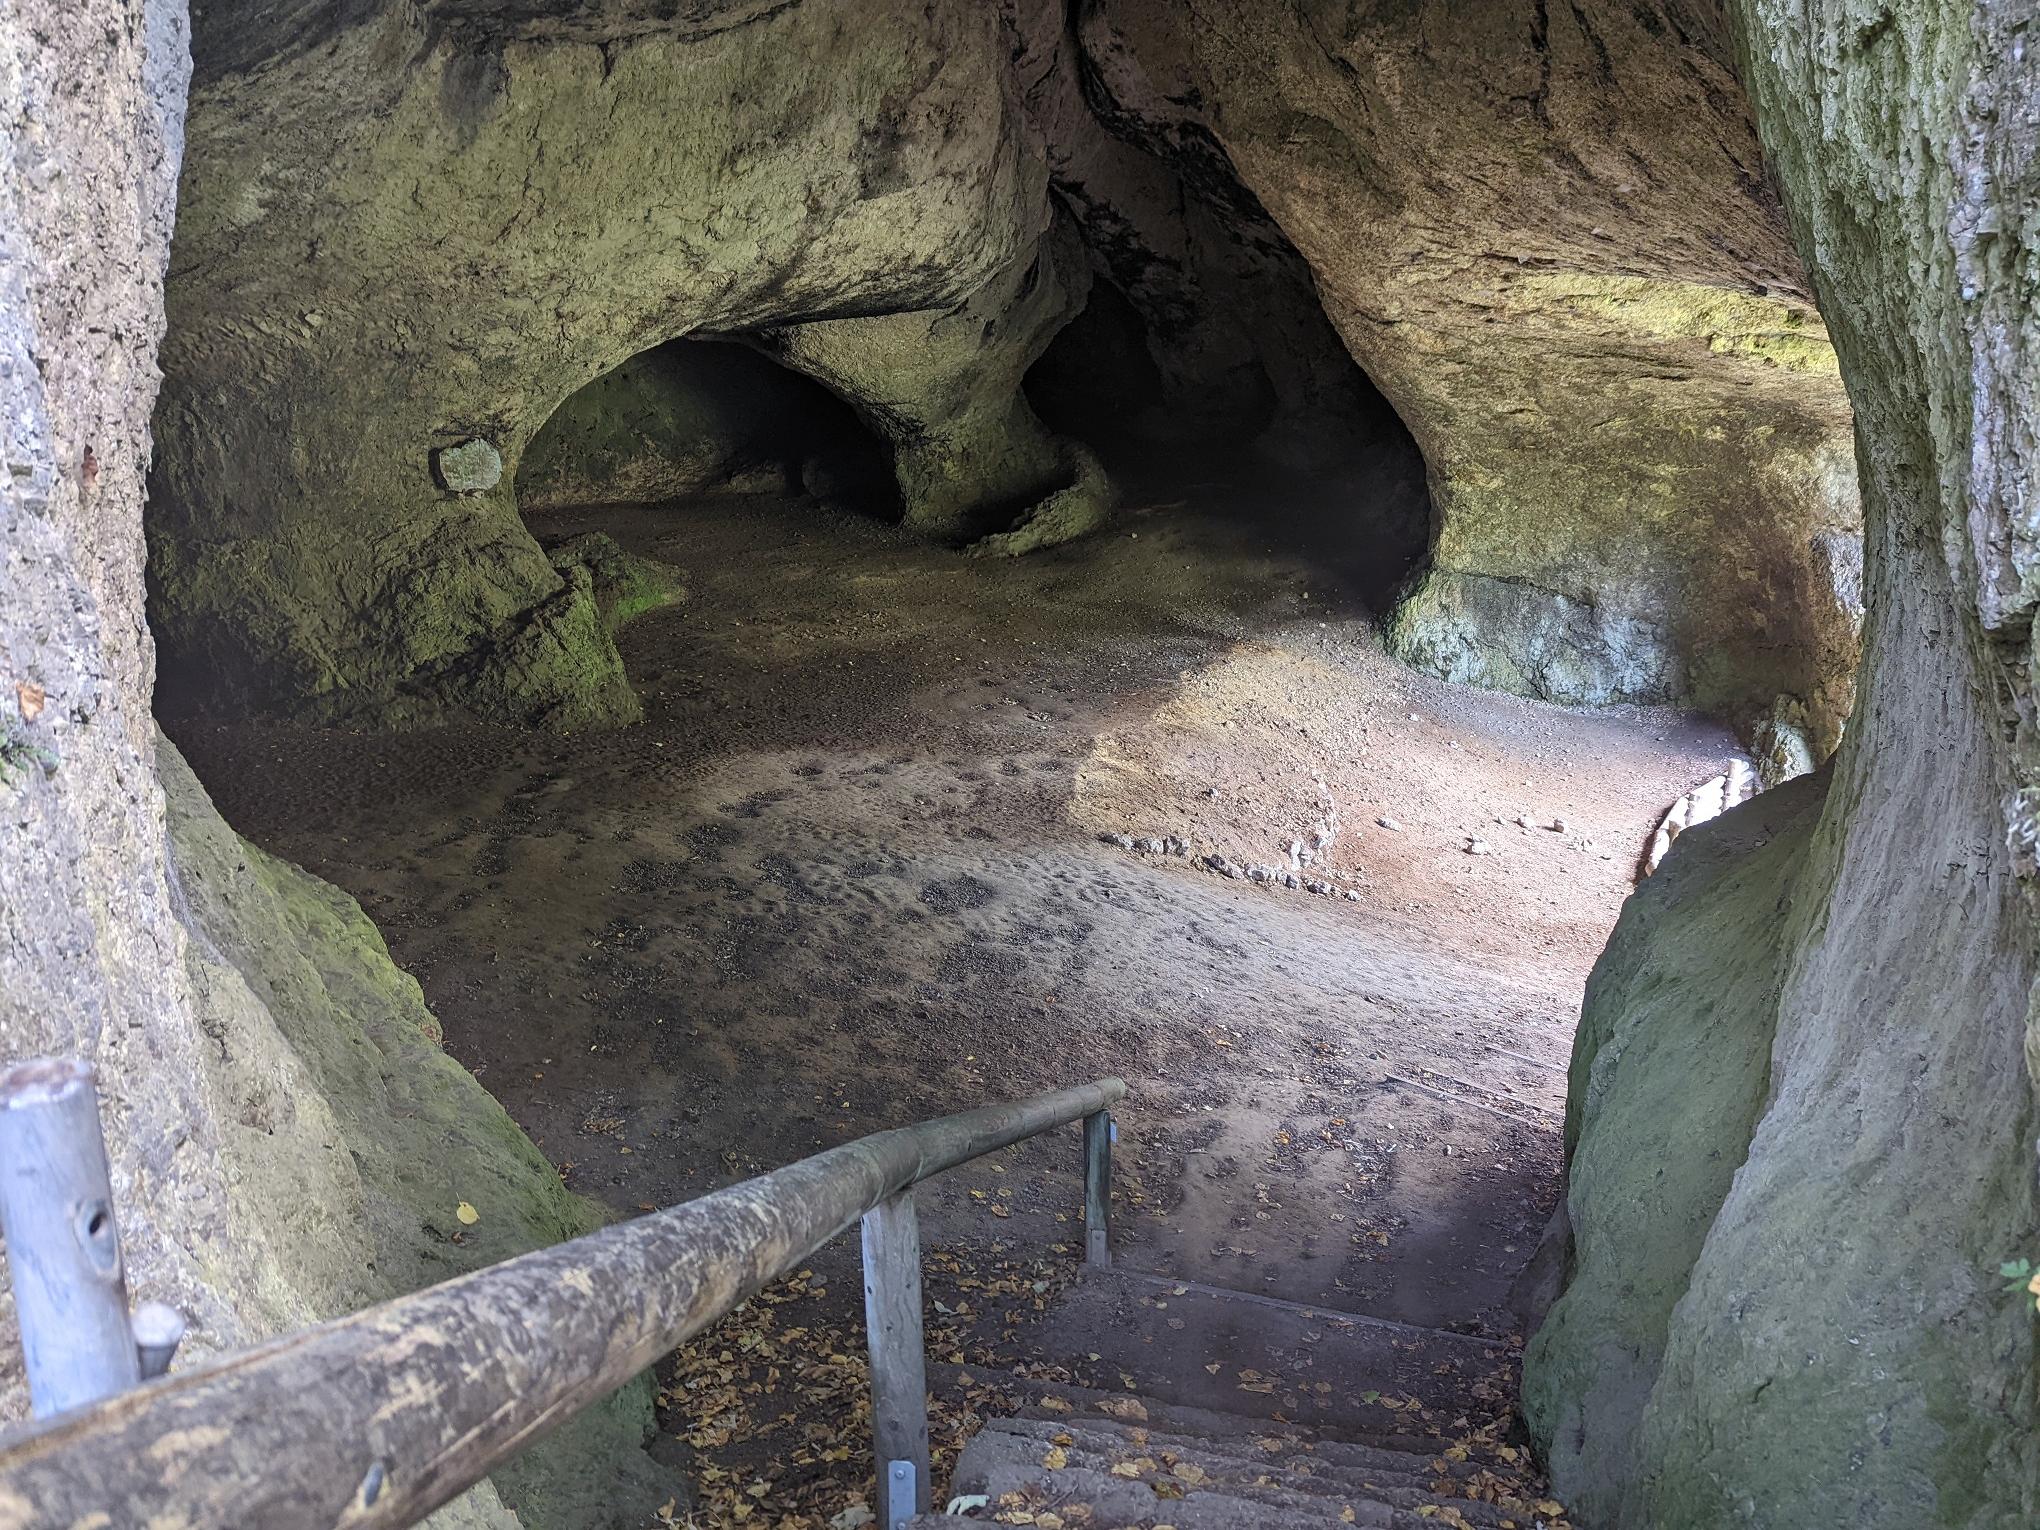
x=899, y=1371
x=1098, y=1189
x=63, y=1250
x=380, y=1417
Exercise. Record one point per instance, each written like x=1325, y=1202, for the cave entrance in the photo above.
x=1314, y=461
x=903, y=830
x=703, y=416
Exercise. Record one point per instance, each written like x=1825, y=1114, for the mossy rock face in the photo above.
x=1669, y=1073
x=942, y=388
x=1539, y=231
x=405, y=1134
x=1842, y=1351
x=623, y=584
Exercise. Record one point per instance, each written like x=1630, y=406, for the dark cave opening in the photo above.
x=706, y=415
x=1338, y=480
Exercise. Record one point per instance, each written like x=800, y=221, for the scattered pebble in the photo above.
x=1390, y=824
x=1478, y=847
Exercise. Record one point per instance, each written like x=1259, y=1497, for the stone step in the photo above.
x=1028, y=1397
x=1392, y=1472
x=1242, y=1472
x=1181, y=1343
x=1107, y=1502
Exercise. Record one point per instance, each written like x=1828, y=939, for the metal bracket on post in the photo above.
x=899, y=1368
x=901, y=1483
x=1099, y=1134
x=63, y=1249
x=158, y=1329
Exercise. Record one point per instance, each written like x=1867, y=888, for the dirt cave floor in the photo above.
x=856, y=870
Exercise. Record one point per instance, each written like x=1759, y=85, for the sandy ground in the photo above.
x=852, y=872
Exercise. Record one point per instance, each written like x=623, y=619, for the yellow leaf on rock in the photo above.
x=466, y=1215
x=1056, y=1459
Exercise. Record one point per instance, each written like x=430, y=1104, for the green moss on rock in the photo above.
x=625, y=585
x=403, y=1133
x=1669, y=1072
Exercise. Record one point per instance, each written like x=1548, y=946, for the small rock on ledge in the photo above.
x=469, y=468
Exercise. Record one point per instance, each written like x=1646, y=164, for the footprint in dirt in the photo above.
x=953, y=895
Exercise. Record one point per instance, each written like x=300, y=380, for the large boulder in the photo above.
x=1669, y=1074
x=1546, y=234
x=1842, y=1351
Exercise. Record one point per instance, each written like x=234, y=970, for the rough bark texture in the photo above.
x=408, y=226
x=388, y=1414
x=1841, y=1352
x=1545, y=233
x=287, y=1141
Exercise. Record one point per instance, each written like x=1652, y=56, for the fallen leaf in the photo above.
x=466, y=1215
x=31, y=696
x=1056, y=1459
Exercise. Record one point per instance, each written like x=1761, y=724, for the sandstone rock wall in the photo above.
x=1229, y=314
x=277, y=1111
x=1546, y=234
x=423, y=224
x=942, y=387
x=1841, y=1350
x=1669, y=1075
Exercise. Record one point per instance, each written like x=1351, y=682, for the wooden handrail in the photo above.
x=381, y=1417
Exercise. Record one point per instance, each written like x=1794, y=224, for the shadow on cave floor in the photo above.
x=850, y=874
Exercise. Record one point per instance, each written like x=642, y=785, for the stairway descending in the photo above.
x=1244, y=1413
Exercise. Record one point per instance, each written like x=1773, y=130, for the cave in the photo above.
x=705, y=415
x=639, y=637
